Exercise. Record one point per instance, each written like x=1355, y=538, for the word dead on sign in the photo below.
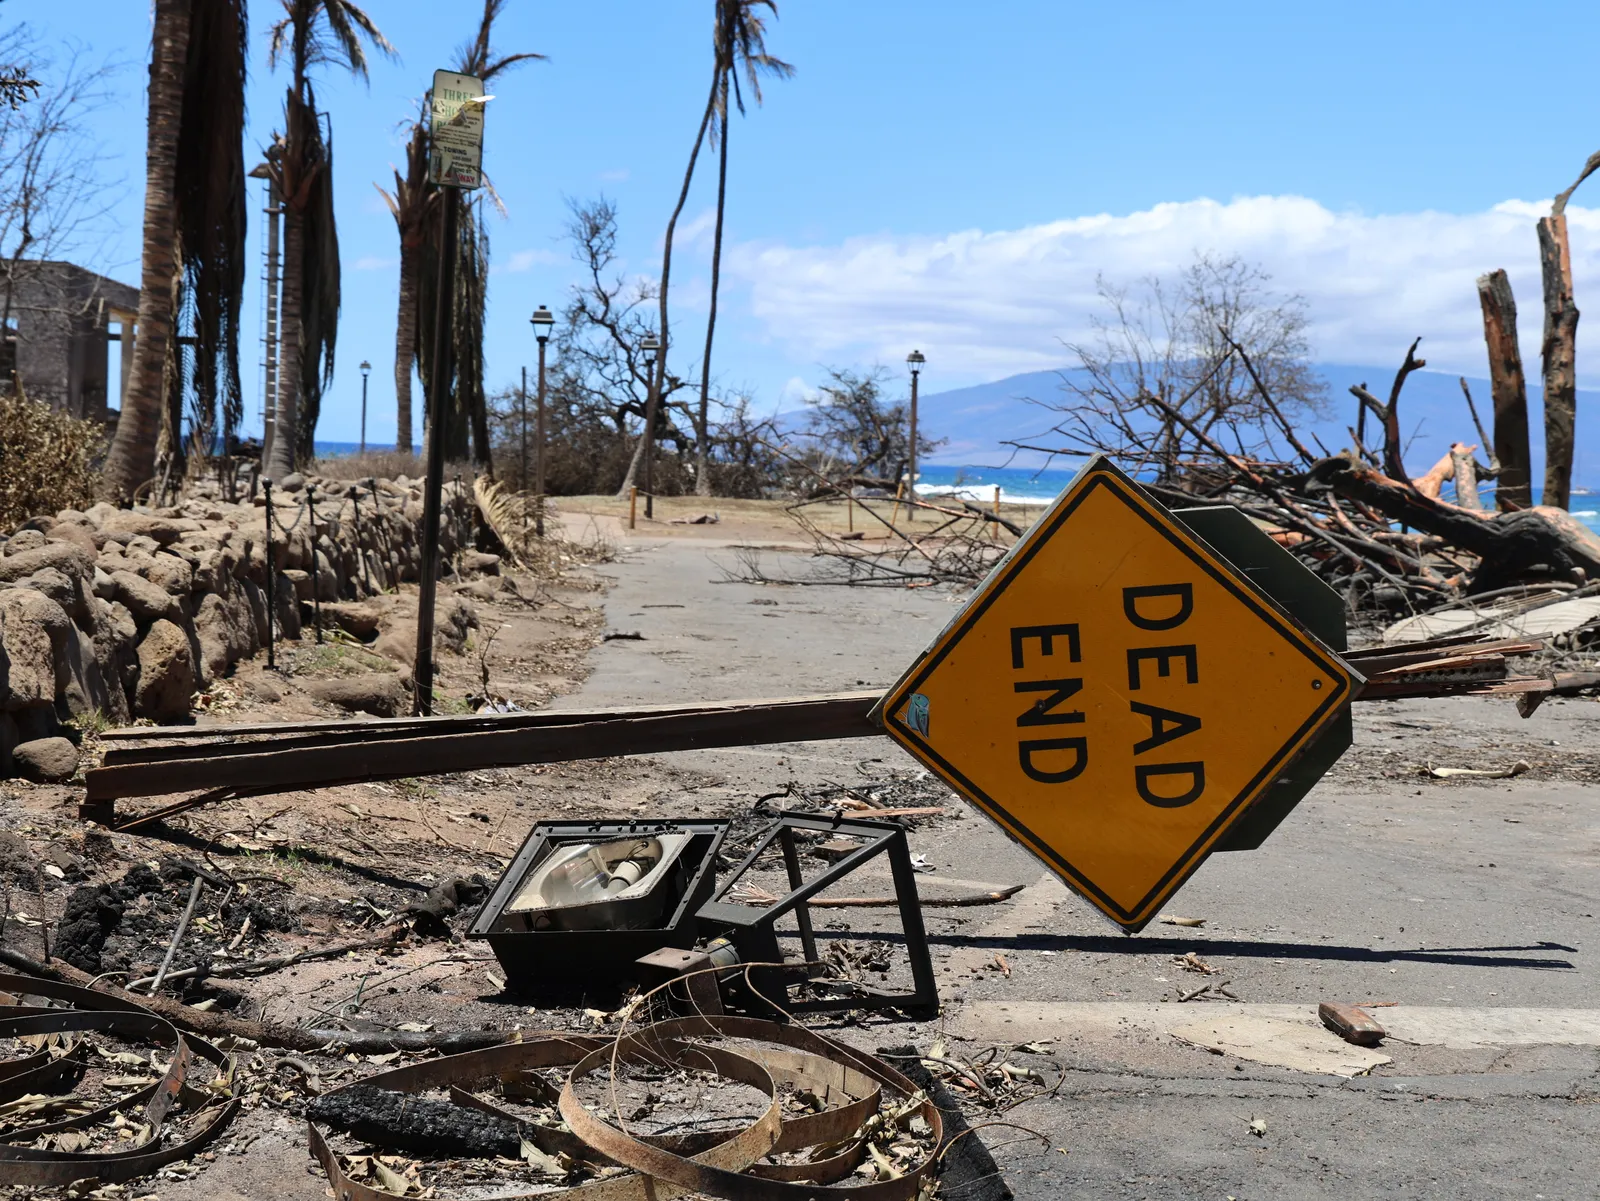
x=455, y=130
x=1116, y=695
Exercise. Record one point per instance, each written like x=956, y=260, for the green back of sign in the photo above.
x=1319, y=609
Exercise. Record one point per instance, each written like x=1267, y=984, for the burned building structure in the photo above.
x=58, y=320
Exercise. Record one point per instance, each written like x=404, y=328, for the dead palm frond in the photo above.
x=336, y=39
x=511, y=515
x=211, y=213
x=741, y=41
x=476, y=57
x=319, y=302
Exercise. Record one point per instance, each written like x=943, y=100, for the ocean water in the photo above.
x=1027, y=486
x=1018, y=485
x=338, y=449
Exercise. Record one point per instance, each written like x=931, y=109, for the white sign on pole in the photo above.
x=456, y=131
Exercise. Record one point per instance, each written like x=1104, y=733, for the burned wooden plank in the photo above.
x=356, y=756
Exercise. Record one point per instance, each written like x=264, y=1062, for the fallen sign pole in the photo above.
x=406, y=748
x=221, y=762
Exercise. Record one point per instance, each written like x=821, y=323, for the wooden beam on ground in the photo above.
x=462, y=744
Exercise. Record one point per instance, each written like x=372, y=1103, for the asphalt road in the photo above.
x=1469, y=906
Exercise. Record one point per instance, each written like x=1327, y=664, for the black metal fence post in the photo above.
x=272, y=591
x=316, y=585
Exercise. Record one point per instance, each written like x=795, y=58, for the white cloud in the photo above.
x=525, y=260
x=616, y=175
x=697, y=231
x=795, y=392
x=374, y=262
x=983, y=305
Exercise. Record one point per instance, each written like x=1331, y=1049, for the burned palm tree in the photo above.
x=310, y=32
x=740, y=43
x=194, y=231
x=413, y=204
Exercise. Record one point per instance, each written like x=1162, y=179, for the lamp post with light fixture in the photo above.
x=651, y=347
x=366, y=369
x=914, y=360
x=541, y=321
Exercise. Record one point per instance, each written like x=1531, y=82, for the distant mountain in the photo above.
x=975, y=421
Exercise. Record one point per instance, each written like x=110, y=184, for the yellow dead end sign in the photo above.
x=1116, y=695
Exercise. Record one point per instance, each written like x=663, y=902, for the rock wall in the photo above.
x=128, y=613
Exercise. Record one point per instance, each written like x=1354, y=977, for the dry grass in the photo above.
x=871, y=517
x=379, y=464
x=47, y=460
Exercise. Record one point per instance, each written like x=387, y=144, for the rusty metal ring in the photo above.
x=28, y=1165
x=819, y=1064
x=697, y=1175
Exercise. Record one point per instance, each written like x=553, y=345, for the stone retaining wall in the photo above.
x=128, y=613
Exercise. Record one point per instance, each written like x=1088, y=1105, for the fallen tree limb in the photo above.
x=1512, y=546
x=271, y=1034
x=262, y=967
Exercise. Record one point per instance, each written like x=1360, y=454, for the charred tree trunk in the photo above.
x=1538, y=543
x=1559, y=358
x=1514, y=485
x=131, y=461
x=405, y=347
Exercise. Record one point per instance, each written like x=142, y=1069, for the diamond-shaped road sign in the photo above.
x=1116, y=695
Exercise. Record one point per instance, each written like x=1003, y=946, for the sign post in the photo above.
x=455, y=162
x=1117, y=695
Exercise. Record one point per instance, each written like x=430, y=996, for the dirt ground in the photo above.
x=1385, y=884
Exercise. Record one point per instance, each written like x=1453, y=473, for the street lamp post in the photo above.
x=541, y=321
x=914, y=360
x=366, y=369
x=651, y=347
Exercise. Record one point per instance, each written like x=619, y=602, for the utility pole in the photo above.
x=522, y=408
x=456, y=133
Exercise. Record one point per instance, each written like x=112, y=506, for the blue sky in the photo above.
x=953, y=176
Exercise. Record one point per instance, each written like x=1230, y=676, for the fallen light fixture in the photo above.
x=581, y=901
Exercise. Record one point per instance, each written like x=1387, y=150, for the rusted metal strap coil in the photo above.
x=850, y=1099
x=735, y=1150
x=697, y=1175
x=847, y=1081
x=37, y=1073
x=20, y=1164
